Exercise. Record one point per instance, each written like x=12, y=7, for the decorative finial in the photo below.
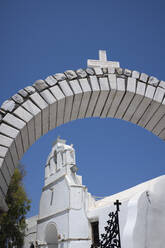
x=102, y=62
x=58, y=140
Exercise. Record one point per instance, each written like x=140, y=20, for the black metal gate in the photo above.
x=111, y=237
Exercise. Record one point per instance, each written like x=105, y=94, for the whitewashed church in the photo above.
x=69, y=217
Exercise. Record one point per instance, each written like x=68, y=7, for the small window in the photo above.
x=95, y=233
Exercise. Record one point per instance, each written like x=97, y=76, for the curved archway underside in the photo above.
x=63, y=97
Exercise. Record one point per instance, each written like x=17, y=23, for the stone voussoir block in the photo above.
x=90, y=71
x=153, y=81
x=17, y=98
x=30, y=90
x=70, y=74
x=81, y=73
x=8, y=105
x=60, y=76
x=111, y=70
x=105, y=70
x=40, y=85
x=51, y=81
x=144, y=77
x=162, y=84
x=119, y=71
x=127, y=72
x=23, y=93
x=135, y=74
x=98, y=71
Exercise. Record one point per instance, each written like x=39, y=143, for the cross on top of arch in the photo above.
x=102, y=62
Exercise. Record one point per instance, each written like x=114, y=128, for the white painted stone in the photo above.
x=119, y=71
x=39, y=101
x=36, y=112
x=70, y=74
x=23, y=93
x=112, y=93
x=162, y=84
x=150, y=90
x=127, y=72
x=21, y=125
x=156, y=117
x=40, y=85
x=5, y=141
x=140, y=91
x=111, y=70
x=90, y=71
x=118, y=97
x=94, y=95
x=30, y=90
x=4, y=170
x=8, y=105
x=98, y=71
x=104, y=92
x=68, y=99
x=3, y=151
x=50, y=99
x=152, y=108
x=159, y=126
x=51, y=81
x=105, y=70
x=9, y=162
x=144, y=77
x=130, y=92
x=4, y=185
x=17, y=98
x=135, y=74
x=153, y=81
x=29, y=119
x=12, y=156
x=13, y=133
x=162, y=134
x=19, y=146
x=85, y=98
x=14, y=121
x=56, y=91
x=159, y=94
x=2, y=112
x=9, y=143
x=74, y=84
x=81, y=73
x=60, y=76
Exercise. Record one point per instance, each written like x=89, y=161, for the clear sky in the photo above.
x=40, y=38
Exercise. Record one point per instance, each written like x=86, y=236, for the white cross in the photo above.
x=102, y=62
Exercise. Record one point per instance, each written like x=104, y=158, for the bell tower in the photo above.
x=64, y=201
x=61, y=160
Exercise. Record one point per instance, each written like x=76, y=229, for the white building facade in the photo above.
x=69, y=217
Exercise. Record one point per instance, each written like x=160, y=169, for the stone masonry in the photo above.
x=63, y=97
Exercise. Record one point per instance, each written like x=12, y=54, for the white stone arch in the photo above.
x=63, y=97
x=51, y=235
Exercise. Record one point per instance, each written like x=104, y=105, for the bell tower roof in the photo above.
x=58, y=140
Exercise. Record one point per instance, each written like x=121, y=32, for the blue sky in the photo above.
x=39, y=38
